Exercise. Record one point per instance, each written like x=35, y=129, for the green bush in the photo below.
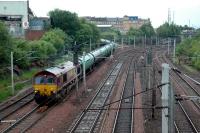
x=55, y=37
x=190, y=48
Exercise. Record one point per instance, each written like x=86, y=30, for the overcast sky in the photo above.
x=185, y=11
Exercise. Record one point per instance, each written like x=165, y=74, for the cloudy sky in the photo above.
x=185, y=11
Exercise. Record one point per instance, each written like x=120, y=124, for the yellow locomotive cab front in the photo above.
x=45, y=85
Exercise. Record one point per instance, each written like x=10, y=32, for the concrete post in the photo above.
x=156, y=40
x=90, y=45
x=165, y=96
x=145, y=40
x=77, y=81
x=12, y=74
x=122, y=43
x=171, y=110
x=174, y=53
x=84, y=75
x=153, y=94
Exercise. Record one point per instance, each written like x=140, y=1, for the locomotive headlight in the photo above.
x=36, y=91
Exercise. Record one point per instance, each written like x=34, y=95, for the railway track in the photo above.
x=186, y=120
x=9, y=109
x=190, y=87
x=124, y=117
x=184, y=124
x=16, y=125
x=30, y=118
x=89, y=117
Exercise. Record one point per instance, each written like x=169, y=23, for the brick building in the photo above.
x=121, y=24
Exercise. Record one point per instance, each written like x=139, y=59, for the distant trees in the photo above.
x=86, y=32
x=134, y=32
x=65, y=20
x=66, y=28
x=5, y=44
x=111, y=34
x=77, y=29
x=168, y=30
x=27, y=52
x=145, y=29
x=57, y=38
x=190, y=48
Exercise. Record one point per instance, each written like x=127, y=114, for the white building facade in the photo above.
x=15, y=14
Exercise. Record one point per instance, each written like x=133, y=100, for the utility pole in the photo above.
x=122, y=43
x=84, y=76
x=90, y=44
x=149, y=65
x=153, y=94
x=168, y=47
x=174, y=53
x=145, y=40
x=134, y=41
x=165, y=96
x=111, y=55
x=77, y=81
x=171, y=109
x=156, y=40
x=12, y=75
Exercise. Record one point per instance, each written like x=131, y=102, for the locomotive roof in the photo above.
x=60, y=69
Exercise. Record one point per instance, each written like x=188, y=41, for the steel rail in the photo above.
x=20, y=120
x=188, y=118
x=93, y=99
x=8, y=110
x=115, y=122
x=4, y=107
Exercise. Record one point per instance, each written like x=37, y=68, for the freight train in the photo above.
x=55, y=82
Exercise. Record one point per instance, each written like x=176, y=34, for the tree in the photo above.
x=134, y=32
x=65, y=20
x=84, y=34
x=190, y=47
x=95, y=33
x=5, y=45
x=147, y=29
x=22, y=52
x=57, y=38
x=111, y=34
x=168, y=30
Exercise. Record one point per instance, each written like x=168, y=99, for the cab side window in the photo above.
x=64, y=77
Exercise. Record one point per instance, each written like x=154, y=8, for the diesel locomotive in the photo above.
x=54, y=82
